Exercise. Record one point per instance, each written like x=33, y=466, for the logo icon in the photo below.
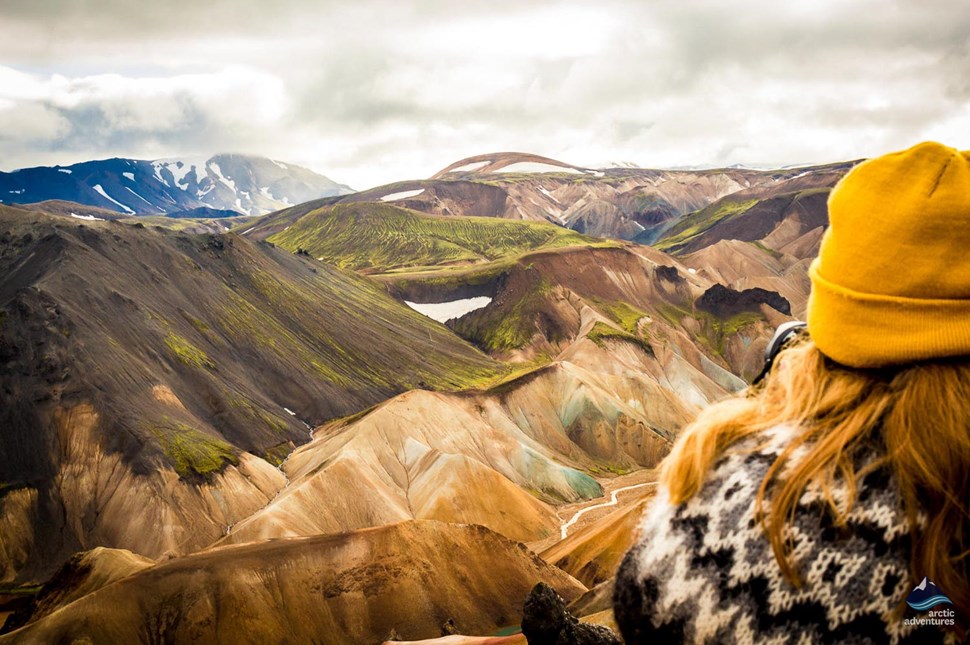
x=927, y=595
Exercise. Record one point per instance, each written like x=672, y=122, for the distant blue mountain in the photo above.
x=927, y=595
x=242, y=183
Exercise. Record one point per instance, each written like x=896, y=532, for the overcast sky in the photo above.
x=368, y=92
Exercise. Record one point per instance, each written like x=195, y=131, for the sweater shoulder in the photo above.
x=704, y=570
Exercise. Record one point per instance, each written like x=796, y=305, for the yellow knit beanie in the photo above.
x=891, y=283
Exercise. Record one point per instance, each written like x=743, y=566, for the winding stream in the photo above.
x=565, y=527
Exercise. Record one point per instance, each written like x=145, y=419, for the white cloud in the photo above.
x=376, y=91
x=91, y=116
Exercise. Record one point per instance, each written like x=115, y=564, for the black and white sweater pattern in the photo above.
x=704, y=571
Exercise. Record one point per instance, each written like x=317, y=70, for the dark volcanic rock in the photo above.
x=668, y=273
x=724, y=302
x=545, y=621
x=449, y=628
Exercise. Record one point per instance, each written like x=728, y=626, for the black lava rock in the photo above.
x=545, y=621
x=725, y=302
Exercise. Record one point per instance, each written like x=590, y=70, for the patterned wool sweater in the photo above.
x=704, y=572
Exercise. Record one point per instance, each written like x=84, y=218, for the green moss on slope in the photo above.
x=193, y=454
x=511, y=327
x=620, y=312
x=187, y=352
x=378, y=237
x=601, y=332
x=697, y=222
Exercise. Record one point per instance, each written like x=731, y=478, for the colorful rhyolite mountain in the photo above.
x=258, y=434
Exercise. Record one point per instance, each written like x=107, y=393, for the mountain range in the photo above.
x=244, y=184
x=391, y=412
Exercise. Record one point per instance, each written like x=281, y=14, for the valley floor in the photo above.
x=630, y=488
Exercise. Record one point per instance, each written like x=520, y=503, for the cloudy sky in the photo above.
x=372, y=91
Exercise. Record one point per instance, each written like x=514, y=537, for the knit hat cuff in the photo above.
x=871, y=330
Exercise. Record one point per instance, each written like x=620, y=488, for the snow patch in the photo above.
x=445, y=311
x=548, y=194
x=218, y=171
x=100, y=190
x=469, y=167
x=531, y=166
x=280, y=164
x=393, y=197
x=692, y=271
x=130, y=176
x=179, y=171
x=247, y=230
x=89, y=218
x=139, y=196
x=290, y=412
x=66, y=171
x=157, y=166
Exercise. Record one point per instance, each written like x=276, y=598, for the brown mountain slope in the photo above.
x=148, y=376
x=83, y=574
x=593, y=554
x=639, y=294
x=746, y=265
x=761, y=237
x=501, y=161
x=345, y=588
x=599, y=408
x=626, y=203
x=72, y=209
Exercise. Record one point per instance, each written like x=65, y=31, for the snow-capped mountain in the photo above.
x=243, y=183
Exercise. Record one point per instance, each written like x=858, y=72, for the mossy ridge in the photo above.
x=277, y=454
x=193, y=454
x=673, y=314
x=243, y=319
x=715, y=331
x=693, y=224
x=622, y=313
x=500, y=178
x=450, y=278
x=255, y=413
x=199, y=325
x=515, y=373
x=508, y=329
x=186, y=352
x=376, y=237
x=190, y=223
x=323, y=353
x=601, y=332
x=761, y=247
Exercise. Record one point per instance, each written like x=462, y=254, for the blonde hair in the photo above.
x=920, y=413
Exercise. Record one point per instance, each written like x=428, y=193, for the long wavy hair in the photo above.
x=920, y=413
